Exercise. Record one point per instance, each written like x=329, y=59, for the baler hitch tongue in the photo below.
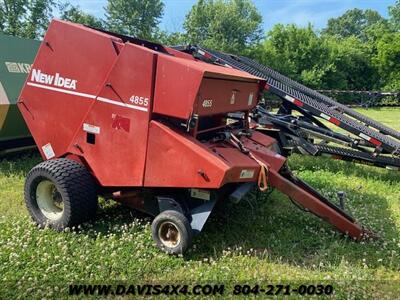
x=312, y=201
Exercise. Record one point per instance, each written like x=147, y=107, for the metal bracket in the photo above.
x=166, y=203
x=200, y=215
x=342, y=197
x=241, y=192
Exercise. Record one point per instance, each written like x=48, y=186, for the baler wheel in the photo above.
x=172, y=232
x=60, y=193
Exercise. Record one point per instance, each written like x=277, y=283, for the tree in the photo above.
x=138, y=18
x=75, y=14
x=11, y=13
x=318, y=61
x=394, y=13
x=25, y=18
x=229, y=25
x=387, y=60
x=295, y=51
x=375, y=32
x=171, y=39
x=352, y=67
x=353, y=22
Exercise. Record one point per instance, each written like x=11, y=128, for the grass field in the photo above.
x=388, y=116
x=260, y=241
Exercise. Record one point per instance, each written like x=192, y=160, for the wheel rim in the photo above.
x=49, y=200
x=169, y=234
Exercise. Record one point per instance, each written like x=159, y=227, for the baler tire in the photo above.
x=181, y=223
x=72, y=182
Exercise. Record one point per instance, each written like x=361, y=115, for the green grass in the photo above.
x=261, y=240
x=386, y=115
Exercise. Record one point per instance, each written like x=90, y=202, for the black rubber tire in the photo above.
x=75, y=185
x=182, y=224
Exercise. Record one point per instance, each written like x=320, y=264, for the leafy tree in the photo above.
x=171, y=39
x=394, y=13
x=293, y=51
x=353, y=22
x=387, y=60
x=351, y=62
x=318, y=61
x=25, y=18
x=229, y=25
x=138, y=18
x=375, y=32
x=75, y=14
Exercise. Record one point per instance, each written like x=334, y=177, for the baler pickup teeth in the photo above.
x=312, y=201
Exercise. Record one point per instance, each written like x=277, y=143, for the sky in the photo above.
x=300, y=12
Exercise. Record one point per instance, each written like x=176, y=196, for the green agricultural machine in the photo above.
x=16, y=57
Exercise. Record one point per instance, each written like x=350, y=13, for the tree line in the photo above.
x=359, y=50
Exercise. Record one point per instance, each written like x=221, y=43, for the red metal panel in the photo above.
x=176, y=87
x=237, y=162
x=180, y=54
x=272, y=159
x=177, y=160
x=179, y=79
x=121, y=115
x=67, y=73
x=221, y=96
x=263, y=139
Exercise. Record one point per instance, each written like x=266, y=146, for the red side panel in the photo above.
x=263, y=139
x=180, y=54
x=260, y=145
x=221, y=96
x=238, y=163
x=119, y=120
x=175, y=160
x=178, y=81
x=176, y=87
x=68, y=72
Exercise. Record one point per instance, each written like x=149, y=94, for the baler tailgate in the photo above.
x=312, y=201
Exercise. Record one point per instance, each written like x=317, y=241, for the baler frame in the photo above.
x=186, y=153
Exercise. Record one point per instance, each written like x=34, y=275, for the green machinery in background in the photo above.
x=16, y=57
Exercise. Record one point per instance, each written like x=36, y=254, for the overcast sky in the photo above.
x=300, y=12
